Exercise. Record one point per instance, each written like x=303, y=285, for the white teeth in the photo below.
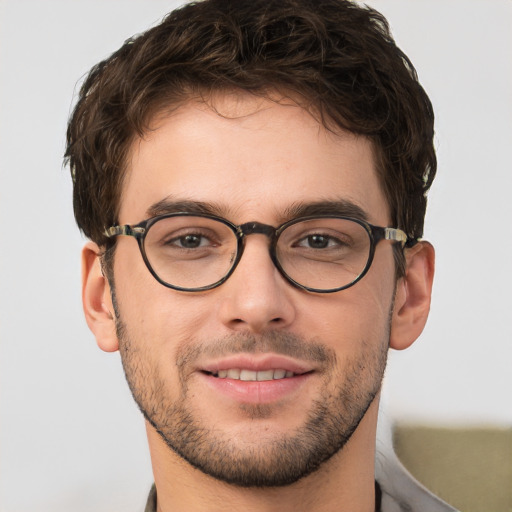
x=251, y=375
x=248, y=375
x=265, y=375
x=279, y=374
x=233, y=373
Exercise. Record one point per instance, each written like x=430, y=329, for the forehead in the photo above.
x=252, y=157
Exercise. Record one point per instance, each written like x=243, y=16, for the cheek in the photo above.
x=157, y=319
x=346, y=319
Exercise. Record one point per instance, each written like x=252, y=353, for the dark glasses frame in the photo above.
x=375, y=233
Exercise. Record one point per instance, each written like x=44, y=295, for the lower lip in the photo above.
x=256, y=392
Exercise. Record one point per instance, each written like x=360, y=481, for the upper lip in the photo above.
x=257, y=362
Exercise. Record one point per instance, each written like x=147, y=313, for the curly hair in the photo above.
x=337, y=56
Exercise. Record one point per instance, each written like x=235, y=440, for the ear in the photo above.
x=97, y=301
x=412, y=297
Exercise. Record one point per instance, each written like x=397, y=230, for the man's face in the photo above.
x=251, y=160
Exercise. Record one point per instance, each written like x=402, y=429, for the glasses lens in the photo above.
x=190, y=252
x=324, y=253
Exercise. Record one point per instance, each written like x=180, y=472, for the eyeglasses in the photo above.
x=195, y=252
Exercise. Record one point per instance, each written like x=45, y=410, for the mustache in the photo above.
x=282, y=343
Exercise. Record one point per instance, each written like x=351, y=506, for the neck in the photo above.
x=344, y=483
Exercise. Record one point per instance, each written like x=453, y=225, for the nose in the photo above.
x=256, y=297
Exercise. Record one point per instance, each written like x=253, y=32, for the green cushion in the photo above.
x=469, y=468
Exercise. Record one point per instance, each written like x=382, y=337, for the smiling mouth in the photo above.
x=254, y=376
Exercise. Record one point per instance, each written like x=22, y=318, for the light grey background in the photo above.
x=71, y=437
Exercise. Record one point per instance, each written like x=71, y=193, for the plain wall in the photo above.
x=71, y=437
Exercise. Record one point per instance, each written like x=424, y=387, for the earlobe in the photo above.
x=412, y=297
x=97, y=301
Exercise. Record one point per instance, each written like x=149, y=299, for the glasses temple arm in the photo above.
x=398, y=235
x=126, y=230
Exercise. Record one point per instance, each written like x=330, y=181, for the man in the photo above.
x=271, y=159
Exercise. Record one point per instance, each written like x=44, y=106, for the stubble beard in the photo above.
x=279, y=460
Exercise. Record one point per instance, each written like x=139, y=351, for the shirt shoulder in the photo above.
x=401, y=492
x=151, y=503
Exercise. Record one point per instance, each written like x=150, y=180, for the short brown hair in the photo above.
x=339, y=57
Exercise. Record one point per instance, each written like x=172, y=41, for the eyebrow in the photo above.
x=341, y=207
x=169, y=205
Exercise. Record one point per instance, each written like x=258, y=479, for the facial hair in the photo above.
x=344, y=397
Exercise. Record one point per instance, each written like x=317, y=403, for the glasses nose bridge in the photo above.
x=252, y=228
x=257, y=228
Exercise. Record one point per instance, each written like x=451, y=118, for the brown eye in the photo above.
x=190, y=241
x=317, y=241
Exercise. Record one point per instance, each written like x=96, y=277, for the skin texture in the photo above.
x=317, y=437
